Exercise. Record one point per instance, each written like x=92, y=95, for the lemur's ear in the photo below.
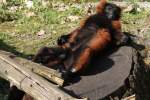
x=100, y=6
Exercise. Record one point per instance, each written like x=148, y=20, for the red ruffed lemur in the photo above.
x=75, y=50
x=93, y=35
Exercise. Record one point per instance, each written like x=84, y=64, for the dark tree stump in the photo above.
x=141, y=77
x=108, y=76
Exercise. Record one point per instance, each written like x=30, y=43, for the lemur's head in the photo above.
x=112, y=11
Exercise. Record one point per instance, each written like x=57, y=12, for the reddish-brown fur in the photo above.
x=100, y=40
x=72, y=38
x=117, y=26
x=97, y=43
x=100, y=6
x=89, y=42
x=92, y=36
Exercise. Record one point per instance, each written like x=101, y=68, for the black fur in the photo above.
x=15, y=94
x=63, y=39
x=112, y=11
x=87, y=32
x=47, y=54
x=90, y=27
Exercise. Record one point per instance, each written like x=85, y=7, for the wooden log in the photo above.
x=24, y=79
x=43, y=71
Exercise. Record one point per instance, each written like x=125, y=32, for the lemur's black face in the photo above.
x=112, y=11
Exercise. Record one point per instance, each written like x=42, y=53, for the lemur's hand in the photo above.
x=63, y=39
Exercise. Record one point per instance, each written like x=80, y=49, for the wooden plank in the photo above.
x=10, y=72
x=43, y=71
x=26, y=80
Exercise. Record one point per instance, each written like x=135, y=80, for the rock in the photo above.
x=147, y=42
x=128, y=8
x=30, y=14
x=73, y=18
x=54, y=32
x=78, y=6
x=145, y=5
x=3, y=2
x=29, y=4
x=41, y=33
x=139, y=9
x=13, y=9
x=45, y=3
x=62, y=22
x=60, y=6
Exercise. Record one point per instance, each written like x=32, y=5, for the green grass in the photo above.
x=133, y=21
x=21, y=33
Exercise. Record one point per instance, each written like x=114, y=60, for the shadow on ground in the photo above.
x=8, y=48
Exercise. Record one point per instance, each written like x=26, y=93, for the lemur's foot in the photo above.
x=68, y=76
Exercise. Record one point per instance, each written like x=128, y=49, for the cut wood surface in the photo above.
x=106, y=77
x=26, y=80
